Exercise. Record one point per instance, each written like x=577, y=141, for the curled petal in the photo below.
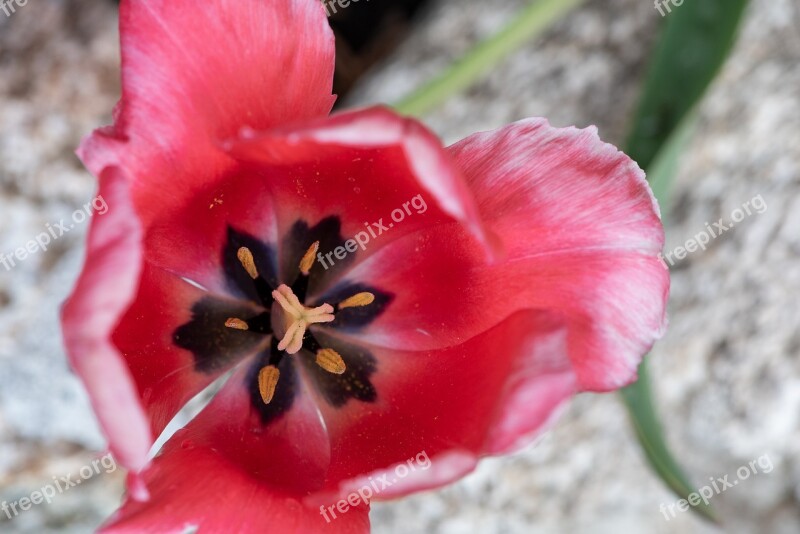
x=367, y=166
x=182, y=94
x=106, y=287
x=582, y=234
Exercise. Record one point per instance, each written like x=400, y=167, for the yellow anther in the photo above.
x=267, y=382
x=308, y=258
x=236, y=324
x=359, y=299
x=247, y=261
x=331, y=361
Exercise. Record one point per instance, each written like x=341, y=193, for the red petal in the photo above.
x=290, y=453
x=144, y=319
x=449, y=406
x=194, y=486
x=173, y=113
x=193, y=76
x=188, y=239
x=362, y=165
x=166, y=375
x=582, y=233
x=488, y=395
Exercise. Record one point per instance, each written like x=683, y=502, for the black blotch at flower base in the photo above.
x=216, y=347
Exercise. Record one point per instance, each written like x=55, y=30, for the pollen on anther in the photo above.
x=308, y=258
x=331, y=361
x=247, y=261
x=236, y=324
x=359, y=299
x=267, y=382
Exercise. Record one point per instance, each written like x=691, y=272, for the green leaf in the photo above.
x=529, y=23
x=695, y=42
x=639, y=401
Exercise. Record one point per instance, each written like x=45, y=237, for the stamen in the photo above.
x=308, y=258
x=331, y=361
x=236, y=324
x=359, y=299
x=267, y=382
x=247, y=261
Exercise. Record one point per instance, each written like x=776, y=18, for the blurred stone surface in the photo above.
x=727, y=374
x=58, y=72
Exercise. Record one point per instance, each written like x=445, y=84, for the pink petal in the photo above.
x=582, y=234
x=105, y=288
x=588, y=206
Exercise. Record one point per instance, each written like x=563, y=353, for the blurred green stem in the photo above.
x=529, y=23
x=694, y=44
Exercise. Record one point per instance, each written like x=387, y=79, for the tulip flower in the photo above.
x=366, y=294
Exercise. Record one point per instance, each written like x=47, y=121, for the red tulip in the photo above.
x=375, y=295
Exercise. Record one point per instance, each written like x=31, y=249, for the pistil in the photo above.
x=299, y=318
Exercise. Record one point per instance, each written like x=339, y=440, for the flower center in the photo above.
x=298, y=318
x=290, y=319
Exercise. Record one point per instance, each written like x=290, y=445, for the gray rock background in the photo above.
x=727, y=374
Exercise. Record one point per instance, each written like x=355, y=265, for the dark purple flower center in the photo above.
x=268, y=316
